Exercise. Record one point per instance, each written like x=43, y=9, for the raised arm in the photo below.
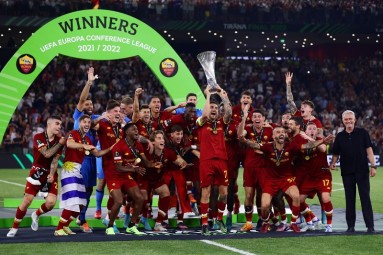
x=85, y=90
x=136, y=105
x=241, y=127
x=206, y=108
x=292, y=108
x=173, y=108
x=226, y=106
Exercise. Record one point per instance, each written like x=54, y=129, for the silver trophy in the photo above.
x=207, y=60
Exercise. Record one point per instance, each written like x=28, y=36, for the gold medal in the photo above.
x=87, y=152
x=137, y=161
x=215, y=131
x=307, y=157
x=277, y=163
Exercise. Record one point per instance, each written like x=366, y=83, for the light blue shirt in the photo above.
x=182, y=110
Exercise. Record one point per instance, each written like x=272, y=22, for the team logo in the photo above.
x=169, y=67
x=26, y=64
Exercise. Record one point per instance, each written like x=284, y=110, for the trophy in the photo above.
x=207, y=60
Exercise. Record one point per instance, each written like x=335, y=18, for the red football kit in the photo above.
x=41, y=165
x=213, y=160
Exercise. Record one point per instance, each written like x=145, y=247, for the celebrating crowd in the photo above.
x=143, y=150
x=332, y=85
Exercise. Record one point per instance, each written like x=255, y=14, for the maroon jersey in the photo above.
x=167, y=158
x=76, y=155
x=125, y=154
x=299, y=141
x=279, y=161
x=212, y=141
x=192, y=135
x=237, y=114
x=305, y=122
x=178, y=119
x=252, y=158
x=159, y=121
x=178, y=149
x=144, y=129
x=230, y=133
x=41, y=140
x=315, y=162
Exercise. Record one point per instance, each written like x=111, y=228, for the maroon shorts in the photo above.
x=122, y=184
x=272, y=185
x=34, y=189
x=213, y=172
x=312, y=185
x=253, y=176
x=149, y=186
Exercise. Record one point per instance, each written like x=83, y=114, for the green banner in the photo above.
x=93, y=35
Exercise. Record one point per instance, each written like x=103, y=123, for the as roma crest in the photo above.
x=169, y=67
x=26, y=64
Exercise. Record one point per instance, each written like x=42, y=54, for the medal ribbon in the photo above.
x=258, y=137
x=278, y=157
x=115, y=130
x=161, y=157
x=149, y=127
x=131, y=148
x=82, y=137
x=47, y=140
x=214, y=124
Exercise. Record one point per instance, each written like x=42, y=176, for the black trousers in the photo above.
x=363, y=182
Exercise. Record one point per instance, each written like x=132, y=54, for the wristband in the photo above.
x=373, y=167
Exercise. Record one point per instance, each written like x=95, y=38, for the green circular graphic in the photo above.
x=93, y=35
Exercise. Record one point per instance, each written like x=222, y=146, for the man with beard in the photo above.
x=153, y=179
x=128, y=154
x=279, y=155
x=88, y=166
x=300, y=170
x=254, y=164
x=73, y=190
x=47, y=147
x=238, y=148
x=213, y=156
x=141, y=116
